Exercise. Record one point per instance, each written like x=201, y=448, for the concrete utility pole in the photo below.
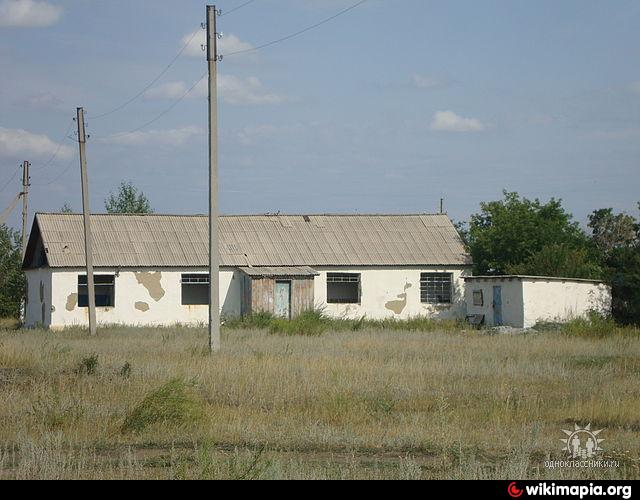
x=214, y=251
x=88, y=251
x=25, y=203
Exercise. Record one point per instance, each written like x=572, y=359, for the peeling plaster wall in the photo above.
x=132, y=297
x=392, y=293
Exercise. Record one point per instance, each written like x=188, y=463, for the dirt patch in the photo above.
x=142, y=306
x=397, y=306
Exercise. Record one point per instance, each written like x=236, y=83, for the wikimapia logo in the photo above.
x=582, y=442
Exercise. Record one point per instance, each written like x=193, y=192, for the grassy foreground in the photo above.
x=371, y=403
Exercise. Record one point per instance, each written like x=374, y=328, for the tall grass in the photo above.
x=360, y=403
x=316, y=322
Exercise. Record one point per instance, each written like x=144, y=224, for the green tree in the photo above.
x=128, y=200
x=520, y=234
x=611, y=231
x=66, y=209
x=617, y=238
x=12, y=281
x=560, y=260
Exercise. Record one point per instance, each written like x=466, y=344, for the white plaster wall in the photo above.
x=512, y=301
x=164, y=312
x=382, y=286
x=38, y=298
x=563, y=300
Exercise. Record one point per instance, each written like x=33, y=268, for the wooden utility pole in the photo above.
x=214, y=251
x=82, y=140
x=25, y=203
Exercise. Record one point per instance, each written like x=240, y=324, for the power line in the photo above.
x=5, y=186
x=297, y=33
x=59, y=176
x=55, y=155
x=167, y=110
x=237, y=8
x=152, y=83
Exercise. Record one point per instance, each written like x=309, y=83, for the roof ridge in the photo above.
x=251, y=215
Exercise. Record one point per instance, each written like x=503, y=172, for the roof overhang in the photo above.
x=280, y=272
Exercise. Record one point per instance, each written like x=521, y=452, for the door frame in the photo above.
x=275, y=305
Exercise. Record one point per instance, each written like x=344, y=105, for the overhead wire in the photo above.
x=150, y=84
x=297, y=33
x=236, y=8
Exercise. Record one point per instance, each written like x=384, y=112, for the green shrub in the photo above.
x=175, y=403
x=593, y=325
x=88, y=365
x=310, y=323
x=259, y=321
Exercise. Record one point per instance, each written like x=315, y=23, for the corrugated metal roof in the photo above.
x=279, y=272
x=254, y=240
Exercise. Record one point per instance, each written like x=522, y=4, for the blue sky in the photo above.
x=387, y=108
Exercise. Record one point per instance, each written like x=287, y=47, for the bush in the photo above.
x=174, y=403
x=310, y=323
x=593, y=325
x=88, y=365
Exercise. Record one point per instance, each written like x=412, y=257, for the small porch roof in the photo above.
x=280, y=272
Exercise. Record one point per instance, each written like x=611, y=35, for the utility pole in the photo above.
x=82, y=140
x=214, y=251
x=441, y=205
x=25, y=203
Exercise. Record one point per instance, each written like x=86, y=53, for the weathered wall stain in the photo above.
x=152, y=282
x=72, y=301
x=397, y=306
x=142, y=306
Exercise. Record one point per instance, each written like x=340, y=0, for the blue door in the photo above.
x=497, y=305
x=283, y=299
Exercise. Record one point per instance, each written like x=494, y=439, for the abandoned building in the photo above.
x=524, y=301
x=152, y=269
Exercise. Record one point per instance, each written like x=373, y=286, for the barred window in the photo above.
x=105, y=290
x=343, y=288
x=436, y=288
x=195, y=289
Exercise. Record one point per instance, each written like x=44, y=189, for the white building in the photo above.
x=151, y=269
x=524, y=301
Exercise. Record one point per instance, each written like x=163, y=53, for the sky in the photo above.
x=385, y=109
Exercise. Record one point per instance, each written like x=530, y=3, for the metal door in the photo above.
x=497, y=305
x=283, y=299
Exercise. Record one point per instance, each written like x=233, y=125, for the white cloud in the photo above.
x=228, y=44
x=22, y=145
x=448, y=121
x=232, y=89
x=172, y=137
x=41, y=101
x=28, y=13
x=235, y=90
x=426, y=82
x=171, y=90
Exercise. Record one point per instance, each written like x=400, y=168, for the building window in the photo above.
x=195, y=289
x=478, y=298
x=343, y=288
x=436, y=288
x=105, y=290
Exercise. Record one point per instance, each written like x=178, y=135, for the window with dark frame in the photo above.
x=105, y=290
x=343, y=288
x=195, y=289
x=478, y=298
x=436, y=288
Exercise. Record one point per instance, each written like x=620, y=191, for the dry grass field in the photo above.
x=371, y=404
